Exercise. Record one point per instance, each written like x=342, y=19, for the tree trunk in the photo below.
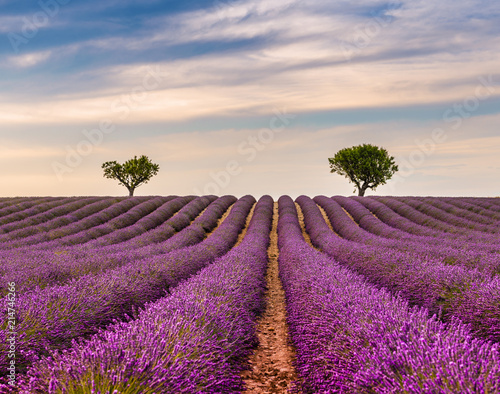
x=362, y=190
x=130, y=192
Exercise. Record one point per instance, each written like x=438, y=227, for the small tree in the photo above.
x=366, y=166
x=132, y=173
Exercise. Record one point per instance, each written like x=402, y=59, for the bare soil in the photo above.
x=272, y=369
x=219, y=222
x=325, y=216
x=348, y=214
x=247, y=223
x=302, y=225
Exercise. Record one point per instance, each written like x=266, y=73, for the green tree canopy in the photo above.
x=132, y=173
x=367, y=166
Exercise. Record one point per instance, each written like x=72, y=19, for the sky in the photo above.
x=248, y=96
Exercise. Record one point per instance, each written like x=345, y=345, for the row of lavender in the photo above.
x=132, y=222
x=195, y=339
x=50, y=318
x=46, y=267
x=70, y=220
x=66, y=224
x=355, y=249
x=421, y=223
x=51, y=213
x=387, y=229
x=353, y=337
x=457, y=215
x=96, y=224
x=470, y=294
x=19, y=210
x=401, y=216
x=428, y=216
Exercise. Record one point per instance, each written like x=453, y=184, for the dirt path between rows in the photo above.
x=219, y=221
x=348, y=214
x=247, y=224
x=325, y=217
x=271, y=364
x=300, y=216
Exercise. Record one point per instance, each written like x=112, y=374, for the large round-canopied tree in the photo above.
x=367, y=166
x=132, y=173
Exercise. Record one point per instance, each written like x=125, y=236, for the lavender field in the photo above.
x=164, y=294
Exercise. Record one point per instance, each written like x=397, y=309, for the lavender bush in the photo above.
x=33, y=211
x=51, y=318
x=352, y=337
x=437, y=210
x=32, y=269
x=195, y=340
x=454, y=291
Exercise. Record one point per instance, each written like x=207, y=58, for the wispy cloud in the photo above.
x=291, y=44
x=234, y=62
x=30, y=59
